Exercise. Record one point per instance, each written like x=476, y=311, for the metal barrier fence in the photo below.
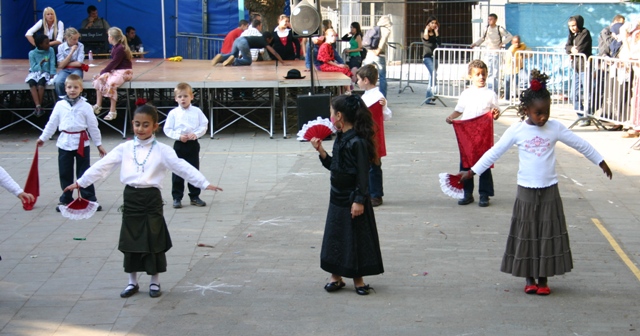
x=451, y=70
x=197, y=46
x=612, y=85
x=563, y=78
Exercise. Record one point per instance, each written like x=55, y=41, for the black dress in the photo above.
x=289, y=51
x=350, y=246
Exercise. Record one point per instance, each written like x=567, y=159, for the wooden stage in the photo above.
x=235, y=93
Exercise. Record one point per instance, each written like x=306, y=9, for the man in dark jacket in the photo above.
x=579, y=47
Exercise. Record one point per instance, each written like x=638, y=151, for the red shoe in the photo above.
x=531, y=289
x=543, y=290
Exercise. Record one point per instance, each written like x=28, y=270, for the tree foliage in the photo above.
x=270, y=10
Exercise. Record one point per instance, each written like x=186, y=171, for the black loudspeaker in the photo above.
x=305, y=19
x=312, y=107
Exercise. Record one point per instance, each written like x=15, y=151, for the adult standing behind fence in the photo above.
x=513, y=64
x=578, y=45
x=430, y=41
x=630, y=51
x=376, y=51
x=495, y=37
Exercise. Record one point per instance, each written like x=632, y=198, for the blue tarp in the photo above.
x=545, y=25
x=223, y=16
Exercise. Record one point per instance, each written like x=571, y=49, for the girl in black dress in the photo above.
x=350, y=246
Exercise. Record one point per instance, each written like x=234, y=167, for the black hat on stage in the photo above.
x=294, y=74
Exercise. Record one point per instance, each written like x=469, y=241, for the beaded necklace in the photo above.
x=135, y=156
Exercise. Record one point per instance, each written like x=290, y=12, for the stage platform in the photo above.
x=229, y=94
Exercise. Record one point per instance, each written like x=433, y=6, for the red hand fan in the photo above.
x=80, y=208
x=319, y=128
x=451, y=186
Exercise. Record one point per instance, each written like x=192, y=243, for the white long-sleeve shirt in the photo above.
x=184, y=121
x=143, y=171
x=536, y=152
x=373, y=96
x=49, y=32
x=475, y=101
x=8, y=183
x=251, y=31
x=76, y=118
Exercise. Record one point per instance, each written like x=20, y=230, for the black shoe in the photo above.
x=99, y=208
x=334, y=286
x=585, y=123
x=177, y=204
x=198, y=202
x=364, y=290
x=466, y=200
x=484, y=201
x=60, y=204
x=154, y=293
x=129, y=290
x=376, y=201
x=38, y=111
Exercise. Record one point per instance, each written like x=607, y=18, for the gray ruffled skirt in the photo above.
x=538, y=242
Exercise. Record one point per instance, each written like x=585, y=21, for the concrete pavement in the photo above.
x=262, y=275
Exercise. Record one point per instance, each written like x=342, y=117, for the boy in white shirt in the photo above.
x=77, y=123
x=367, y=78
x=474, y=102
x=185, y=124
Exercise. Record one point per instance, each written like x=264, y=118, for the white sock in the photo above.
x=155, y=279
x=133, y=278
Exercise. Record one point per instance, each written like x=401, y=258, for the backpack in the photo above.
x=484, y=37
x=604, y=42
x=371, y=38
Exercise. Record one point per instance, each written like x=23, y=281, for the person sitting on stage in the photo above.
x=326, y=55
x=285, y=44
x=93, y=21
x=50, y=26
x=134, y=41
x=42, y=67
x=254, y=30
x=70, y=58
x=242, y=46
x=114, y=74
x=232, y=36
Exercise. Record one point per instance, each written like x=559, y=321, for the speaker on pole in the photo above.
x=305, y=19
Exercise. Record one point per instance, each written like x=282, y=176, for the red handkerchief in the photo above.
x=475, y=137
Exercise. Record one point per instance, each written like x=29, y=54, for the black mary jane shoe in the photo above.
x=364, y=290
x=334, y=286
x=129, y=290
x=154, y=293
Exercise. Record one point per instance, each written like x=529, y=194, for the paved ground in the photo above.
x=262, y=275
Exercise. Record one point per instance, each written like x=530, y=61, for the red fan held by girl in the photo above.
x=319, y=128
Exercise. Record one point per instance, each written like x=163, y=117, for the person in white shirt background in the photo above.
x=185, y=124
x=50, y=26
x=495, y=37
x=144, y=236
x=538, y=242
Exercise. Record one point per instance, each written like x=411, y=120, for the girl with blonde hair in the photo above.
x=118, y=71
x=50, y=26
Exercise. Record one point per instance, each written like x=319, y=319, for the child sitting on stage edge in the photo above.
x=144, y=236
x=42, y=66
x=327, y=57
x=377, y=104
x=73, y=116
x=185, y=124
